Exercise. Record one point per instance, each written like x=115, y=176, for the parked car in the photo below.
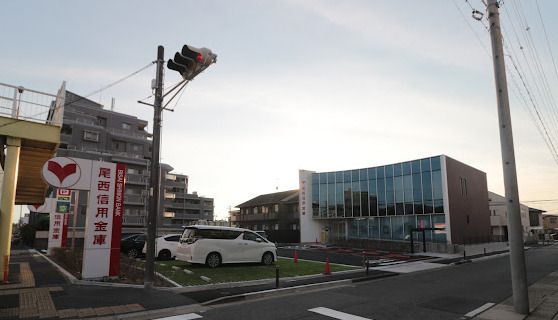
x=132, y=245
x=214, y=245
x=165, y=246
x=263, y=234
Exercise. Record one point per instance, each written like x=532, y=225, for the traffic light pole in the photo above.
x=155, y=190
x=517, y=254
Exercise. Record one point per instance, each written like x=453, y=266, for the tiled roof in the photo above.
x=271, y=198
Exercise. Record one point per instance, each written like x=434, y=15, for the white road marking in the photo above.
x=336, y=314
x=480, y=309
x=188, y=316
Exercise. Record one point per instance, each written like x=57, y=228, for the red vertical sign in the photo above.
x=114, y=268
x=65, y=231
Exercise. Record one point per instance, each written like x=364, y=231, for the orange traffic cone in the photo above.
x=327, y=270
x=295, y=259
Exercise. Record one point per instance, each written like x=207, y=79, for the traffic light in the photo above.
x=191, y=61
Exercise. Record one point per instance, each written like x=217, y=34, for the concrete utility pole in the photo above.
x=155, y=190
x=517, y=255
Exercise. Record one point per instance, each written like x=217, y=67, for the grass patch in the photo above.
x=241, y=272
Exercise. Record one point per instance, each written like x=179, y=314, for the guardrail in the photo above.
x=32, y=105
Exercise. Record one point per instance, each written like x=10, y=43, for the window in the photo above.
x=250, y=236
x=102, y=121
x=119, y=145
x=276, y=208
x=172, y=238
x=168, y=214
x=463, y=183
x=91, y=136
x=255, y=210
x=137, y=148
x=66, y=129
x=126, y=126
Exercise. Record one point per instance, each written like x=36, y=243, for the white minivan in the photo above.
x=213, y=245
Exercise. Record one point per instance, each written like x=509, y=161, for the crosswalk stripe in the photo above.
x=336, y=314
x=188, y=316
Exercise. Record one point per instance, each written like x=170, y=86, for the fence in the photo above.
x=31, y=105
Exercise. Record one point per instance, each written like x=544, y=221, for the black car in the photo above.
x=132, y=245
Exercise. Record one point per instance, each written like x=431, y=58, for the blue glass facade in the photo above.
x=384, y=202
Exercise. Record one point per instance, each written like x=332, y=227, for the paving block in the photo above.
x=86, y=312
x=119, y=309
x=134, y=307
x=103, y=311
x=67, y=313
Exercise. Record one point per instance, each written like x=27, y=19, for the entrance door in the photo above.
x=339, y=231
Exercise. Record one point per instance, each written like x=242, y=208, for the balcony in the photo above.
x=259, y=217
x=133, y=220
x=134, y=178
x=134, y=199
x=138, y=135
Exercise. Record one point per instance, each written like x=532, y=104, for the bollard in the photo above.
x=295, y=258
x=277, y=277
x=464, y=255
x=367, y=265
x=484, y=251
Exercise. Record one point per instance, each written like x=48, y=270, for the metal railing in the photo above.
x=128, y=133
x=32, y=105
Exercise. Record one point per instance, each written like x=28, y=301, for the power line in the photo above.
x=83, y=97
x=547, y=41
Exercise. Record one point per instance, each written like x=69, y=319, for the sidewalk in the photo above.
x=543, y=300
x=38, y=290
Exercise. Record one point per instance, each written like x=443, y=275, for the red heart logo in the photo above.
x=37, y=206
x=61, y=172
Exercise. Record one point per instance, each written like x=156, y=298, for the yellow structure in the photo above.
x=30, y=123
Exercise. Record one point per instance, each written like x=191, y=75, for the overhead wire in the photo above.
x=547, y=117
x=551, y=54
x=112, y=84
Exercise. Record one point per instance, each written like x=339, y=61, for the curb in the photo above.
x=186, y=289
x=158, y=313
x=300, y=288
x=72, y=279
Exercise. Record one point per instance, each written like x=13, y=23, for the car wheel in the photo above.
x=133, y=253
x=164, y=255
x=213, y=260
x=267, y=258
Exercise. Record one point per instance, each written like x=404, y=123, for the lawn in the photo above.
x=240, y=272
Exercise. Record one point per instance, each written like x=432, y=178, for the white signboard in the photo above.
x=103, y=224
x=107, y=187
x=69, y=173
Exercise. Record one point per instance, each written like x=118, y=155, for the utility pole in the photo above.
x=517, y=254
x=154, y=191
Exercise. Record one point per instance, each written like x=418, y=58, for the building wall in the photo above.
x=91, y=132
x=276, y=214
x=310, y=229
x=550, y=222
x=499, y=218
x=468, y=203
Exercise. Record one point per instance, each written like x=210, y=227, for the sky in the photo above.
x=314, y=85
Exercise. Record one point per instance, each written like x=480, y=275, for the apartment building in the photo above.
x=90, y=131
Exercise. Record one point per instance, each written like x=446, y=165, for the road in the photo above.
x=446, y=293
